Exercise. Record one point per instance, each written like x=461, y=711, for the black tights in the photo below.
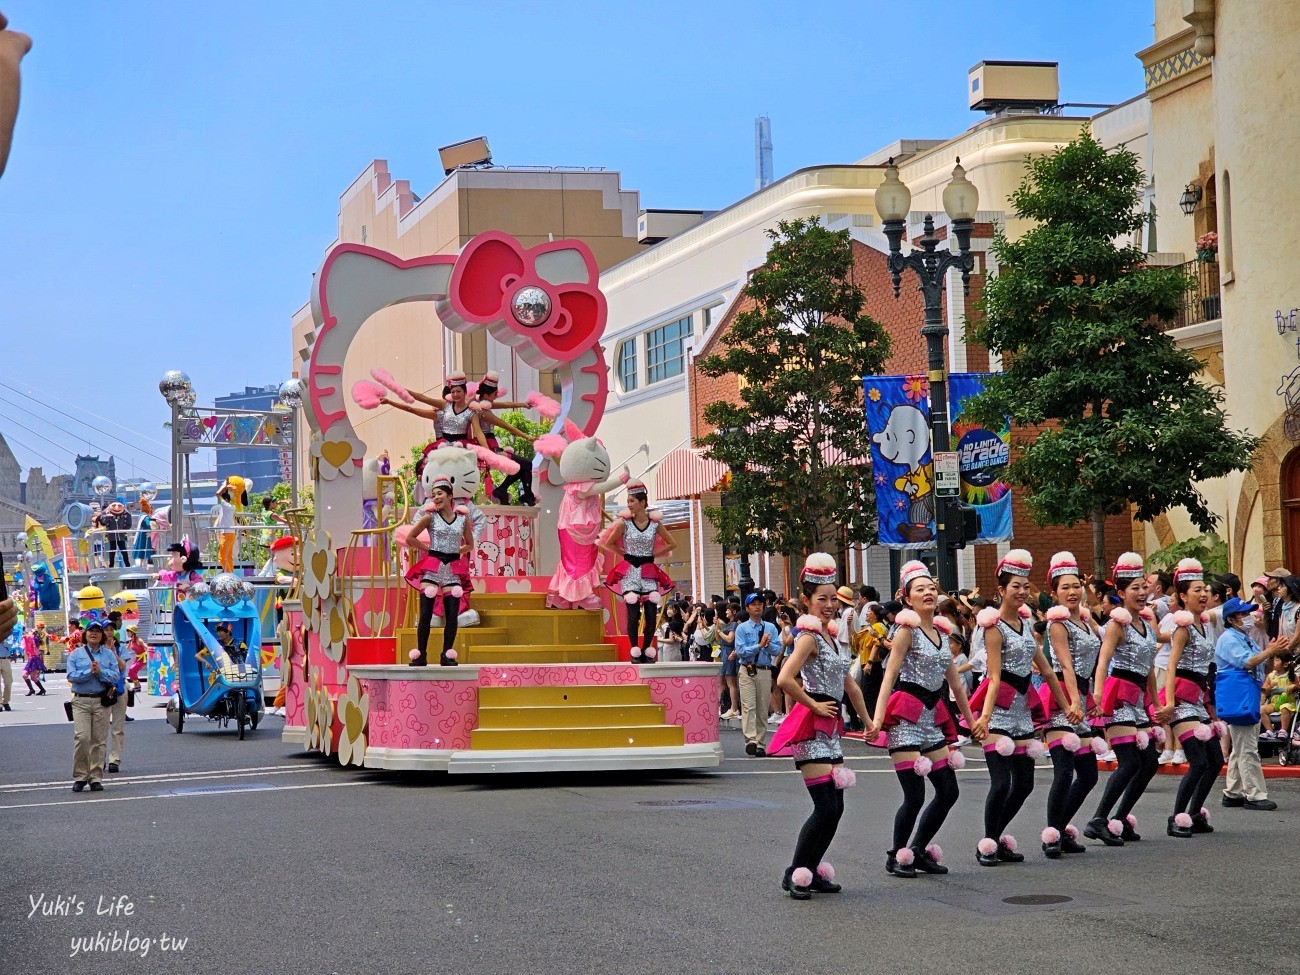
x=634, y=623
x=819, y=829
x=1134, y=772
x=1073, y=776
x=450, y=612
x=944, y=781
x=1011, y=782
x=1204, y=762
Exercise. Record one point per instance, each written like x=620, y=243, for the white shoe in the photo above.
x=1180, y=758
x=961, y=740
x=1107, y=756
x=1166, y=757
x=774, y=718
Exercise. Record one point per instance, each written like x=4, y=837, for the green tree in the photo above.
x=1209, y=549
x=1081, y=320
x=796, y=444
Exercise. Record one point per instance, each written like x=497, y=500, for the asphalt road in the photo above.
x=261, y=859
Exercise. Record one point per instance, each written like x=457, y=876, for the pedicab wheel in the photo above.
x=241, y=714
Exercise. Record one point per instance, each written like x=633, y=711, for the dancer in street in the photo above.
x=633, y=542
x=816, y=677
x=1072, y=644
x=1184, y=703
x=443, y=533
x=1007, y=711
x=912, y=711
x=1125, y=672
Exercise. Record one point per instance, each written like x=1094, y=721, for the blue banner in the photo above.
x=898, y=420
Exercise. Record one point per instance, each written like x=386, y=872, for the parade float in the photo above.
x=534, y=687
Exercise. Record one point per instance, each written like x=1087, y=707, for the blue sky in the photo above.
x=177, y=165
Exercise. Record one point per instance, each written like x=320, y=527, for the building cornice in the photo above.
x=1171, y=64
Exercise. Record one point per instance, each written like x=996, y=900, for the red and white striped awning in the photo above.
x=687, y=473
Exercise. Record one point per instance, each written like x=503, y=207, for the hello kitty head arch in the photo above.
x=543, y=301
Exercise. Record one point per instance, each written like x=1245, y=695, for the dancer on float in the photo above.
x=454, y=422
x=483, y=401
x=1185, y=705
x=1072, y=644
x=631, y=543
x=816, y=677
x=443, y=569
x=1125, y=673
x=1007, y=711
x=912, y=711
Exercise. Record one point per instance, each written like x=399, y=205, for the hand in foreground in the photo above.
x=980, y=730
x=825, y=709
x=1074, y=714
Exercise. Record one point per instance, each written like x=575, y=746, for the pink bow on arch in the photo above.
x=493, y=270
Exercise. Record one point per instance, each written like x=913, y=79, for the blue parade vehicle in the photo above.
x=219, y=681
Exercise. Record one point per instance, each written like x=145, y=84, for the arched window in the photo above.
x=1224, y=202
x=1290, y=492
x=625, y=356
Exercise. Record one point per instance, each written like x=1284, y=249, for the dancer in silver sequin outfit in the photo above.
x=631, y=544
x=442, y=569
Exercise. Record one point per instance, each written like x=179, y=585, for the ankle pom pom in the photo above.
x=1071, y=742
x=1008, y=841
x=430, y=590
x=956, y=760
x=844, y=778
x=1142, y=740
x=414, y=654
x=826, y=871
x=1158, y=733
x=987, y=846
x=1205, y=814
x=922, y=765
x=1183, y=821
x=650, y=652
x=801, y=877
x=1072, y=831
x=1203, y=732
x=905, y=857
x=1131, y=820
x=1035, y=750
x=655, y=598
x=1121, y=616
x=935, y=852
x=455, y=592
x=908, y=618
x=1058, y=613
x=1099, y=745
x=1051, y=835
x=1005, y=747
x=1115, y=827
x=1219, y=727
x=451, y=654
x=987, y=617
x=631, y=598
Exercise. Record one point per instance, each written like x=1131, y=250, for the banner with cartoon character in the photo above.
x=898, y=419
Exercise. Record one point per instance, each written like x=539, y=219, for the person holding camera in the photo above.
x=92, y=676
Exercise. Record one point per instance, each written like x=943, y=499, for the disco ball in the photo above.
x=174, y=385
x=248, y=590
x=531, y=306
x=200, y=590
x=21, y=538
x=148, y=490
x=227, y=589
x=101, y=485
x=291, y=393
x=187, y=400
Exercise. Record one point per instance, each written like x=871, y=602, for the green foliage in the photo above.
x=1080, y=320
x=801, y=352
x=256, y=545
x=1209, y=549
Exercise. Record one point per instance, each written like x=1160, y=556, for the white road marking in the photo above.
x=187, y=795
x=164, y=777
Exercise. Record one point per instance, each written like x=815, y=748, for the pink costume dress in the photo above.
x=577, y=575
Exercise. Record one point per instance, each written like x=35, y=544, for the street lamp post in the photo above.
x=893, y=203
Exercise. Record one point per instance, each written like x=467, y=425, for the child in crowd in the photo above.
x=1279, y=698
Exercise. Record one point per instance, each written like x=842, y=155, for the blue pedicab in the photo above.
x=210, y=681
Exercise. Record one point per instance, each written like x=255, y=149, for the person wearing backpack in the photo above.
x=92, y=676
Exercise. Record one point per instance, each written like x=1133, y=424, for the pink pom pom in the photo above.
x=1147, y=614
x=367, y=394
x=479, y=406
x=1058, y=613
x=908, y=618
x=1115, y=827
x=1008, y=841
x=1121, y=616
x=630, y=598
x=809, y=623
x=550, y=445
x=544, y=405
x=655, y=598
x=1158, y=733
x=801, y=877
x=905, y=856
x=1203, y=732
x=826, y=871
x=1035, y=750
x=922, y=765
x=452, y=654
x=414, y=654
x=1099, y=745
x=1071, y=742
x=833, y=628
x=1143, y=740
x=987, y=846
x=625, y=514
x=1183, y=821
x=987, y=617
x=1131, y=820
x=651, y=652
x=1220, y=728
x=943, y=625
x=1051, y=835
x=956, y=760
x=1024, y=612
x=430, y=590
x=936, y=852
x=1072, y=831
x=494, y=461
x=1205, y=814
x=1005, y=747
x=1205, y=618
x=844, y=778
x=385, y=379
x=656, y=516
x=1183, y=618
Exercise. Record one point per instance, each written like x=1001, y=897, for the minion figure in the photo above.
x=90, y=603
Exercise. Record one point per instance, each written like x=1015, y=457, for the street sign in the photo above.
x=947, y=474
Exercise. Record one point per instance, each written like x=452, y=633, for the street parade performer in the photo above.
x=632, y=542
x=443, y=533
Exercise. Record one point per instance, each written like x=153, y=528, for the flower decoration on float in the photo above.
x=332, y=630
x=354, y=715
x=319, y=562
x=335, y=457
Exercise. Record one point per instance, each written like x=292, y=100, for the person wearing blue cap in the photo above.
x=1237, y=697
x=757, y=645
x=92, y=676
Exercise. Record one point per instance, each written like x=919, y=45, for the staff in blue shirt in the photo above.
x=757, y=644
x=92, y=670
x=1235, y=653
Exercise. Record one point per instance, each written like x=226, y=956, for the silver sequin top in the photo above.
x=1198, y=654
x=925, y=664
x=452, y=423
x=639, y=541
x=1085, y=647
x=446, y=536
x=824, y=673
x=1018, y=649
x=1135, y=651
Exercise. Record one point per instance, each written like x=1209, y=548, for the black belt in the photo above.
x=927, y=697
x=1132, y=676
x=1084, y=684
x=445, y=557
x=455, y=437
x=1200, y=680
x=1021, y=684
x=638, y=560
x=95, y=696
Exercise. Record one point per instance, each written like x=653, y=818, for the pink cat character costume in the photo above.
x=634, y=540
x=578, y=463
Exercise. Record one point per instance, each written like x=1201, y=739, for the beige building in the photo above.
x=533, y=204
x=1224, y=90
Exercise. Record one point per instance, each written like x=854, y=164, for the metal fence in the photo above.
x=1202, y=302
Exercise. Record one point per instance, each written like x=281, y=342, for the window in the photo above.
x=626, y=357
x=664, y=350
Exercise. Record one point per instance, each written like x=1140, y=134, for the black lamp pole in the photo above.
x=744, y=581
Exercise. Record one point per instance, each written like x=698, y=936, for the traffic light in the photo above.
x=966, y=524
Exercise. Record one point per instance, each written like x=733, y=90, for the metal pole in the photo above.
x=178, y=507
x=936, y=337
